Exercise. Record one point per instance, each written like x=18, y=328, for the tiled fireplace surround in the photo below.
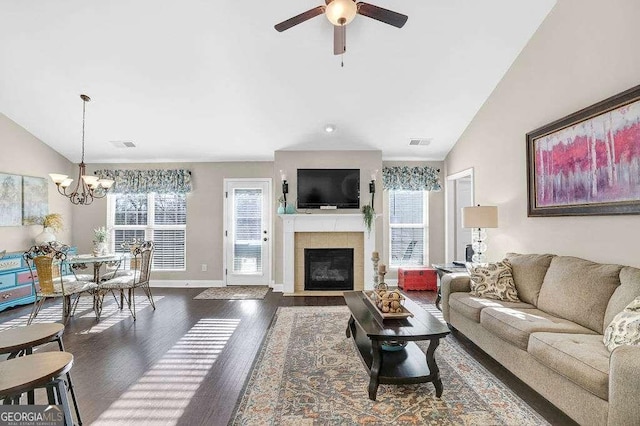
x=325, y=231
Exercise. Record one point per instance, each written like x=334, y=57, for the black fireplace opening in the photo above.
x=328, y=269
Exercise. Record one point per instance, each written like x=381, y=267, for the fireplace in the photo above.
x=328, y=269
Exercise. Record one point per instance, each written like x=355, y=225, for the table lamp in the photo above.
x=478, y=218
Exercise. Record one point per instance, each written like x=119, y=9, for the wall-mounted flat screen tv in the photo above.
x=328, y=187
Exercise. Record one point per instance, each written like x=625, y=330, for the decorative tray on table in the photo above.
x=389, y=301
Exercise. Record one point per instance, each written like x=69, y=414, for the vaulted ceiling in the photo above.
x=197, y=80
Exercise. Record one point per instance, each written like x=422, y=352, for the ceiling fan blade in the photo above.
x=383, y=15
x=305, y=16
x=339, y=39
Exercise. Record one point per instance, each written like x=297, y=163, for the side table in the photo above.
x=441, y=270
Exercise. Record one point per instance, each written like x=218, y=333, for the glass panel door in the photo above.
x=248, y=232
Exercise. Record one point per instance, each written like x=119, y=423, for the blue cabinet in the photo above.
x=16, y=287
x=15, y=281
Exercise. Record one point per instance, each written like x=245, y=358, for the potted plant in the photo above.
x=369, y=216
x=100, y=247
x=51, y=224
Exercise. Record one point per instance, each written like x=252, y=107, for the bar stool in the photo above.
x=44, y=370
x=19, y=341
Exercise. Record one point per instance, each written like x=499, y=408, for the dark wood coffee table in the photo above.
x=406, y=366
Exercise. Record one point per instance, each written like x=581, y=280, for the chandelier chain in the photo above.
x=84, y=104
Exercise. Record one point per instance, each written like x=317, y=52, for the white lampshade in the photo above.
x=283, y=175
x=341, y=12
x=105, y=183
x=90, y=180
x=480, y=217
x=57, y=178
x=65, y=183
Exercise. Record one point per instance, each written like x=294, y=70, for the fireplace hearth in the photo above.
x=328, y=269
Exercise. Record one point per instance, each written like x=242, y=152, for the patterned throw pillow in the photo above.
x=493, y=281
x=625, y=327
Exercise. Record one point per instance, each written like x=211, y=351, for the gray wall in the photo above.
x=585, y=51
x=25, y=154
x=21, y=153
x=205, y=211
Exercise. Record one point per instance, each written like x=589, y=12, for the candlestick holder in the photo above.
x=381, y=279
x=375, y=261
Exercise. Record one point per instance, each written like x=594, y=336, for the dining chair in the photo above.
x=67, y=273
x=138, y=277
x=48, y=263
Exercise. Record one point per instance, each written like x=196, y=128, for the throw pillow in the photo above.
x=493, y=281
x=624, y=329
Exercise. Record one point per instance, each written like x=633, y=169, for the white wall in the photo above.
x=585, y=51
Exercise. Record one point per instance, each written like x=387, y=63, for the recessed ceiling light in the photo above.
x=330, y=128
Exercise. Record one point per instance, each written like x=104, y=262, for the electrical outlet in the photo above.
x=204, y=267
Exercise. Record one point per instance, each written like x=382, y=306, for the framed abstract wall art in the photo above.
x=10, y=200
x=587, y=163
x=35, y=198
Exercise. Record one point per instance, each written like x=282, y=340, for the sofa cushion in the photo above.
x=515, y=325
x=628, y=290
x=581, y=358
x=528, y=273
x=470, y=306
x=625, y=327
x=493, y=281
x=578, y=290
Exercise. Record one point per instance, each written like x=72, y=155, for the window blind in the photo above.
x=407, y=228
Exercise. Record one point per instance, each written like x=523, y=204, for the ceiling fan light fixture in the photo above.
x=341, y=12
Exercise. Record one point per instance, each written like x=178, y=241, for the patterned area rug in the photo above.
x=234, y=292
x=308, y=372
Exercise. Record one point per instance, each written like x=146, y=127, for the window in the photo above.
x=408, y=226
x=161, y=218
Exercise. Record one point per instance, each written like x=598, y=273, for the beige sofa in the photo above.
x=552, y=339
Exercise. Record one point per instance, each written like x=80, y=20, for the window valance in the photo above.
x=146, y=181
x=411, y=178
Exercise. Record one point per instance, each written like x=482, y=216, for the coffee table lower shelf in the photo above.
x=407, y=366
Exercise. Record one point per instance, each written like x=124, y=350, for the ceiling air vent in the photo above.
x=123, y=144
x=419, y=142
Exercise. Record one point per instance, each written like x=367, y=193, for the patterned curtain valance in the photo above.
x=146, y=181
x=411, y=178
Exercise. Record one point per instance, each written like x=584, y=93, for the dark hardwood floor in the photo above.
x=187, y=362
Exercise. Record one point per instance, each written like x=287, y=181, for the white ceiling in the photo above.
x=211, y=80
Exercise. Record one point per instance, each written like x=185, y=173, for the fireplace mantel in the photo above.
x=346, y=222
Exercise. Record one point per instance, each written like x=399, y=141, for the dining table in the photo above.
x=114, y=260
x=81, y=261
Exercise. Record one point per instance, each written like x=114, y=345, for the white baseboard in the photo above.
x=186, y=283
x=391, y=283
x=277, y=288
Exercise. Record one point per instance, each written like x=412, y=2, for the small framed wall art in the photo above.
x=10, y=200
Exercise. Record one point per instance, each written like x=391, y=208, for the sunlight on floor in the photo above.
x=111, y=314
x=163, y=393
x=49, y=314
x=431, y=308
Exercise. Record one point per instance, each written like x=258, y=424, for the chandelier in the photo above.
x=87, y=187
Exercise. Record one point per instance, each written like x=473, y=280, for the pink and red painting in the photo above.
x=587, y=163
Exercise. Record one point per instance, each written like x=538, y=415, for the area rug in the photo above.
x=234, y=292
x=308, y=372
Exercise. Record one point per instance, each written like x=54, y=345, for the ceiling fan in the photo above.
x=340, y=13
